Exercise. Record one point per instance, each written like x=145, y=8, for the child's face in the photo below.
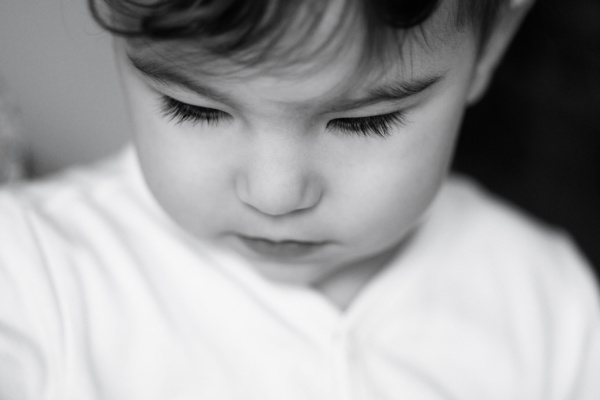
x=291, y=172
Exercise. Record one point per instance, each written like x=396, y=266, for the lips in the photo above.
x=281, y=248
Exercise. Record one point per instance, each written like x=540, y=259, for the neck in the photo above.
x=344, y=285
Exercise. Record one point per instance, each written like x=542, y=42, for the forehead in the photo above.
x=337, y=52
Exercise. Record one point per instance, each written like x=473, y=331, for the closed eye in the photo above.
x=175, y=110
x=375, y=125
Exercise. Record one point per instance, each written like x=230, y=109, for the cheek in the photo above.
x=188, y=169
x=394, y=185
x=192, y=186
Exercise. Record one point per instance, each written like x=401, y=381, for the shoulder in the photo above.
x=509, y=263
x=28, y=313
x=74, y=185
x=63, y=205
x=42, y=226
x=514, y=257
x=504, y=283
x=491, y=232
x=31, y=211
x=484, y=221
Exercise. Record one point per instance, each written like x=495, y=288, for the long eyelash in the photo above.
x=379, y=125
x=180, y=112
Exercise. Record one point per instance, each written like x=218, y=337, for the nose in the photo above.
x=278, y=180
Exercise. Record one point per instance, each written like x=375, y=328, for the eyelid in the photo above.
x=167, y=91
x=384, y=107
x=173, y=101
x=371, y=115
x=181, y=112
x=379, y=125
x=393, y=114
x=374, y=125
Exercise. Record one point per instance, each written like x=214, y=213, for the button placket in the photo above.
x=344, y=365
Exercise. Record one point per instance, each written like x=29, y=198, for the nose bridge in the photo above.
x=277, y=178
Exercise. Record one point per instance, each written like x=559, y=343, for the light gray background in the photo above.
x=58, y=65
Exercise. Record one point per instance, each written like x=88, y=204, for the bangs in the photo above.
x=277, y=34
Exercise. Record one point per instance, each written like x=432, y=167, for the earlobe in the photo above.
x=502, y=34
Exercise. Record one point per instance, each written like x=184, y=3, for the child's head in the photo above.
x=308, y=136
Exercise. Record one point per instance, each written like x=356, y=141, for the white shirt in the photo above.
x=103, y=297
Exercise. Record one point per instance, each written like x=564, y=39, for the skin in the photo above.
x=274, y=170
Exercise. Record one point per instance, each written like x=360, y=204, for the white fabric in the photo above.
x=103, y=297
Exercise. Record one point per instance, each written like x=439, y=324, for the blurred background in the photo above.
x=534, y=139
x=56, y=68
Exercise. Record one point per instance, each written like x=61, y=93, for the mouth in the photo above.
x=280, y=248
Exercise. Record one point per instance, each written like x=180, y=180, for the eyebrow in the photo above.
x=393, y=91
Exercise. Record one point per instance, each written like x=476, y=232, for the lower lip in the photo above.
x=284, y=249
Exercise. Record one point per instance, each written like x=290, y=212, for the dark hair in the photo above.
x=234, y=27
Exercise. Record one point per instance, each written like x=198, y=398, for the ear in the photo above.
x=508, y=23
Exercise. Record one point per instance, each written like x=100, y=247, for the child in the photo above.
x=286, y=228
